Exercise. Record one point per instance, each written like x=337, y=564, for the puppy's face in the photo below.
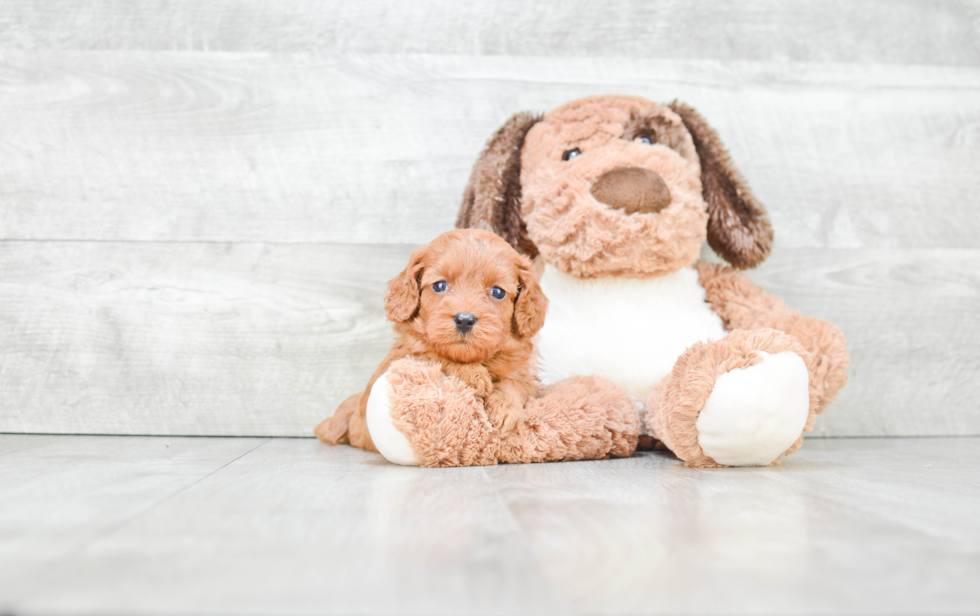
x=467, y=294
x=611, y=186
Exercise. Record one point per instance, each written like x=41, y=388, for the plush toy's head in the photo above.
x=466, y=295
x=615, y=185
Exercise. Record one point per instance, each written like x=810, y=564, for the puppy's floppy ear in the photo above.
x=492, y=199
x=738, y=226
x=402, y=297
x=531, y=304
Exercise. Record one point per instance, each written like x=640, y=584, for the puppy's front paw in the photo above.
x=508, y=421
x=430, y=419
x=475, y=375
x=504, y=411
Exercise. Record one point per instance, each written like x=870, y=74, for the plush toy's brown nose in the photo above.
x=632, y=189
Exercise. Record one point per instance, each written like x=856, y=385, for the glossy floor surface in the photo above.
x=151, y=525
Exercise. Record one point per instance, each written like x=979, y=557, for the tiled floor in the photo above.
x=148, y=525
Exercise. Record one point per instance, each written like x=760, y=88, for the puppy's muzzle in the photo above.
x=633, y=190
x=464, y=321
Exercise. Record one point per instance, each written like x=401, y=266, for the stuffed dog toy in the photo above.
x=613, y=196
x=458, y=388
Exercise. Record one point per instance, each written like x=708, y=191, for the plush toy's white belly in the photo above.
x=628, y=330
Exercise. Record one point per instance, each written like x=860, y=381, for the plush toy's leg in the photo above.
x=419, y=416
x=743, y=400
x=580, y=418
x=742, y=305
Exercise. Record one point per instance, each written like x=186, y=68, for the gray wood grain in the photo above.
x=139, y=338
x=870, y=31
x=262, y=339
x=210, y=526
x=908, y=316
x=165, y=146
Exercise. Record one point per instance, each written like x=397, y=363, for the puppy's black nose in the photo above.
x=464, y=321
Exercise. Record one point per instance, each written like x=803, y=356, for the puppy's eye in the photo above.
x=570, y=154
x=498, y=293
x=644, y=139
x=440, y=286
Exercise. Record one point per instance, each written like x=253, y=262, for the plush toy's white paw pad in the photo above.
x=754, y=414
x=392, y=444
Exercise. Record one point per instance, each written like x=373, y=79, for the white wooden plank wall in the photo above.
x=200, y=203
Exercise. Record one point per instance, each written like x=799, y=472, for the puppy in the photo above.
x=471, y=303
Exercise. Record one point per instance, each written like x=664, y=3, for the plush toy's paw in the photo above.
x=743, y=400
x=754, y=414
x=419, y=416
x=393, y=444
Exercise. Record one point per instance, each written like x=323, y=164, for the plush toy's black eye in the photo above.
x=440, y=286
x=644, y=139
x=498, y=293
x=570, y=154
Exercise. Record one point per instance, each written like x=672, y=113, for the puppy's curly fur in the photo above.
x=494, y=357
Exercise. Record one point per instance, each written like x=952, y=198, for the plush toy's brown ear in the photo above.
x=738, y=226
x=492, y=200
x=531, y=304
x=402, y=297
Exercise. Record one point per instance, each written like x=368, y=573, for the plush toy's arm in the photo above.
x=742, y=305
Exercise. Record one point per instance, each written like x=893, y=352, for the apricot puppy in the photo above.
x=470, y=303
